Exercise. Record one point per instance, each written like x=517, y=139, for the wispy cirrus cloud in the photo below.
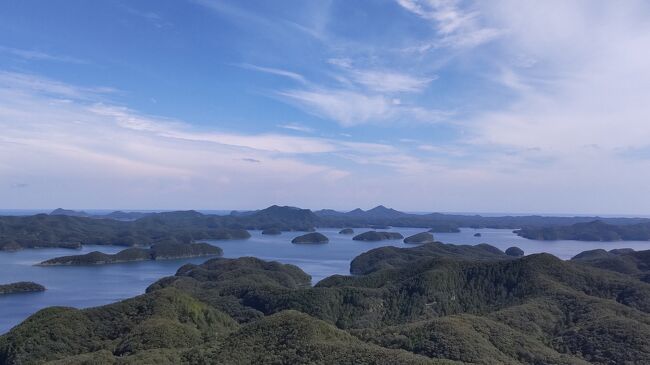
x=490, y=102
x=152, y=17
x=22, y=82
x=386, y=81
x=81, y=146
x=456, y=26
x=83, y=143
x=347, y=107
x=351, y=108
x=367, y=95
x=34, y=55
x=245, y=18
x=81, y=140
x=296, y=127
x=353, y=91
x=275, y=71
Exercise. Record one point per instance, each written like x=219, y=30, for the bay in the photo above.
x=88, y=286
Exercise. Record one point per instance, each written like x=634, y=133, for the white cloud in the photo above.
x=80, y=147
x=390, y=81
x=274, y=71
x=565, y=127
x=340, y=62
x=152, y=17
x=38, y=55
x=296, y=127
x=20, y=82
x=583, y=89
x=169, y=129
x=456, y=26
x=347, y=107
x=365, y=97
x=350, y=108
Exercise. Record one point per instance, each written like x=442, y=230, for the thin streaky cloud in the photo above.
x=38, y=84
x=34, y=55
x=346, y=107
x=252, y=160
x=296, y=127
x=456, y=27
x=276, y=71
x=390, y=81
x=152, y=17
x=340, y=62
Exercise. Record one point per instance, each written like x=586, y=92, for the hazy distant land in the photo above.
x=70, y=229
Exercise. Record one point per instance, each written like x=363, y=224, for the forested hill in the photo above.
x=432, y=304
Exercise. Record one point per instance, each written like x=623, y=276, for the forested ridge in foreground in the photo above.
x=431, y=304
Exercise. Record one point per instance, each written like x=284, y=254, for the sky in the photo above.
x=420, y=105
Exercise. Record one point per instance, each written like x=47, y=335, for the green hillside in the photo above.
x=431, y=304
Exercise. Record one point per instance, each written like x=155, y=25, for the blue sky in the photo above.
x=433, y=105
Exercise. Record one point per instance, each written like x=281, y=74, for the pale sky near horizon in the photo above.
x=420, y=105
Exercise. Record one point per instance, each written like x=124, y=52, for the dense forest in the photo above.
x=431, y=304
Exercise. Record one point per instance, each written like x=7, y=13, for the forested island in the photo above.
x=313, y=237
x=377, y=236
x=71, y=229
x=21, y=287
x=160, y=251
x=589, y=231
x=430, y=304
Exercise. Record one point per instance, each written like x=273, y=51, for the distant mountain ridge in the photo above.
x=380, y=215
x=379, y=211
x=71, y=229
x=117, y=215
